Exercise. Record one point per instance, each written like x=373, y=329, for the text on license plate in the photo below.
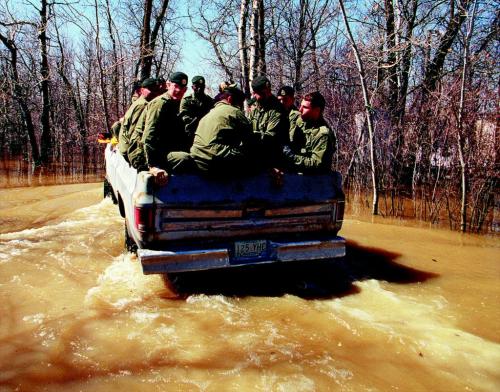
x=254, y=248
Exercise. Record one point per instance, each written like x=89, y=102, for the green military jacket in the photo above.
x=115, y=129
x=130, y=120
x=135, y=150
x=313, y=145
x=192, y=109
x=163, y=131
x=223, y=140
x=293, y=115
x=270, y=124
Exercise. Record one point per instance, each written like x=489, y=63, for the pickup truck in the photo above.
x=199, y=223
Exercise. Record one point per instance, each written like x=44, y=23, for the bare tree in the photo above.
x=243, y=48
x=149, y=36
x=368, y=110
x=20, y=97
x=460, y=128
x=46, y=138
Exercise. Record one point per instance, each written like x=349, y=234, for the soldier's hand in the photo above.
x=287, y=152
x=160, y=175
x=276, y=177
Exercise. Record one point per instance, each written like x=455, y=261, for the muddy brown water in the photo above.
x=409, y=309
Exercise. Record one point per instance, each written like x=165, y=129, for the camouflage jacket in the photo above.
x=271, y=125
x=192, y=109
x=313, y=145
x=163, y=131
x=223, y=140
x=135, y=152
x=129, y=123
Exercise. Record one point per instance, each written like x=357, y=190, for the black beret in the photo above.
x=260, y=82
x=198, y=80
x=179, y=78
x=286, y=90
x=149, y=82
x=136, y=84
x=234, y=91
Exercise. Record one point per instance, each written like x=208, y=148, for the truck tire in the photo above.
x=108, y=191
x=129, y=244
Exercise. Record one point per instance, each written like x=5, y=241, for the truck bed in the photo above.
x=196, y=222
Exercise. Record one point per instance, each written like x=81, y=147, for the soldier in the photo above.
x=286, y=96
x=312, y=143
x=136, y=91
x=163, y=128
x=115, y=128
x=149, y=89
x=224, y=138
x=269, y=120
x=194, y=107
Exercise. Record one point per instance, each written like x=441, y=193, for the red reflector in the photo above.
x=144, y=218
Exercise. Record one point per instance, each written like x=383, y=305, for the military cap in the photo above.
x=161, y=80
x=179, y=78
x=198, y=80
x=233, y=90
x=260, y=82
x=286, y=90
x=149, y=82
x=136, y=84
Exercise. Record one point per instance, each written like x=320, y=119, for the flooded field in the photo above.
x=409, y=309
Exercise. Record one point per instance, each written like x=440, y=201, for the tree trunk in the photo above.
x=262, y=40
x=300, y=47
x=145, y=62
x=149, y=37
x=21, y=99
x=75, y=102
x=243, y=49
x=434, y=68
x=102, y=81
x=460, y=131
x=406, y=63
x=368, y=111
x=115, y=76
x=254, y=40
x=391, y=68
x=46, y=138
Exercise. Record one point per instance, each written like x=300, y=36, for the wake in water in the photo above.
x=77, y=313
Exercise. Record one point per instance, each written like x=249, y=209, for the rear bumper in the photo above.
x=158, y=262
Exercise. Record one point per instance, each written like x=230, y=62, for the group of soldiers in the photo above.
x=165, y=132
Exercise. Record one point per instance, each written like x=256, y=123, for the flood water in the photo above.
x=409, y=309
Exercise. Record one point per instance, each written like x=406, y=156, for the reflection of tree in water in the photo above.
x=20, y=172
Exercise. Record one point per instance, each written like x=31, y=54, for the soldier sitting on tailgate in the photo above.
x=164, y=130
x=150, y=88
x=194, y=107
x=312, y=143
x=286, y=96
x=223, y=141
x=269, y=120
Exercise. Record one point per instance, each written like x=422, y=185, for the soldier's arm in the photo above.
x=151, y=137
x=277, y=127
x=240, y=126
x=135, y=151
x=185, y=113
x=320, y=156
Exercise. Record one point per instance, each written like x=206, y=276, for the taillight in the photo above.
x=144, y=218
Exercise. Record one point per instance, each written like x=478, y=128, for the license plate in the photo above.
x=250, y=249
